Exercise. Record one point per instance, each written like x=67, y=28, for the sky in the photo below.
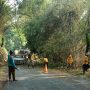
x=12, y=3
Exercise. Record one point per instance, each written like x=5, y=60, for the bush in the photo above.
x=88, y=73
x=3, y=54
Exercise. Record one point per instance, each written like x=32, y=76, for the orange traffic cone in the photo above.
x=45, y=69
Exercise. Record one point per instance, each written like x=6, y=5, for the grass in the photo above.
x=77, y=71
x=88, y=73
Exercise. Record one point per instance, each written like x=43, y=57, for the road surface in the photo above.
x=35, y=79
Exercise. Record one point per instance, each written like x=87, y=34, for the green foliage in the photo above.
x=59, y=31
x=32, y=8
x=4, y=15
x=15, y=39
x=4, y=18
x=55, y=28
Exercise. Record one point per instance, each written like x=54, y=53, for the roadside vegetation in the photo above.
x=55, y=28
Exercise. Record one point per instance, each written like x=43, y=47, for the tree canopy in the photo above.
x=55, y=28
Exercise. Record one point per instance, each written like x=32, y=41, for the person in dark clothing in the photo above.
x=85, y=65
x=11, y=66
x=85, y=68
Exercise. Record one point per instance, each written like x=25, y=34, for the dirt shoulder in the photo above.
x=3, y=76
x=74, y=72
x=78, y=72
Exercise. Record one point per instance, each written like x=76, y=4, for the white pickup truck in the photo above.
x=19, y=59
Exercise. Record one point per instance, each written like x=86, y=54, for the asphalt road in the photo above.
x=35, y=79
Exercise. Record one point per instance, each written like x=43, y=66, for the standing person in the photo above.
x=33, y=60
x=28, y=63
x=11, y=66
x=45, y=64
x=69, y=61
x=29, y=60
x=85, y=64
x=33, y=63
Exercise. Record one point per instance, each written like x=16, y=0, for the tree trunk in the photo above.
x=2, y=42
x=87, y=42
